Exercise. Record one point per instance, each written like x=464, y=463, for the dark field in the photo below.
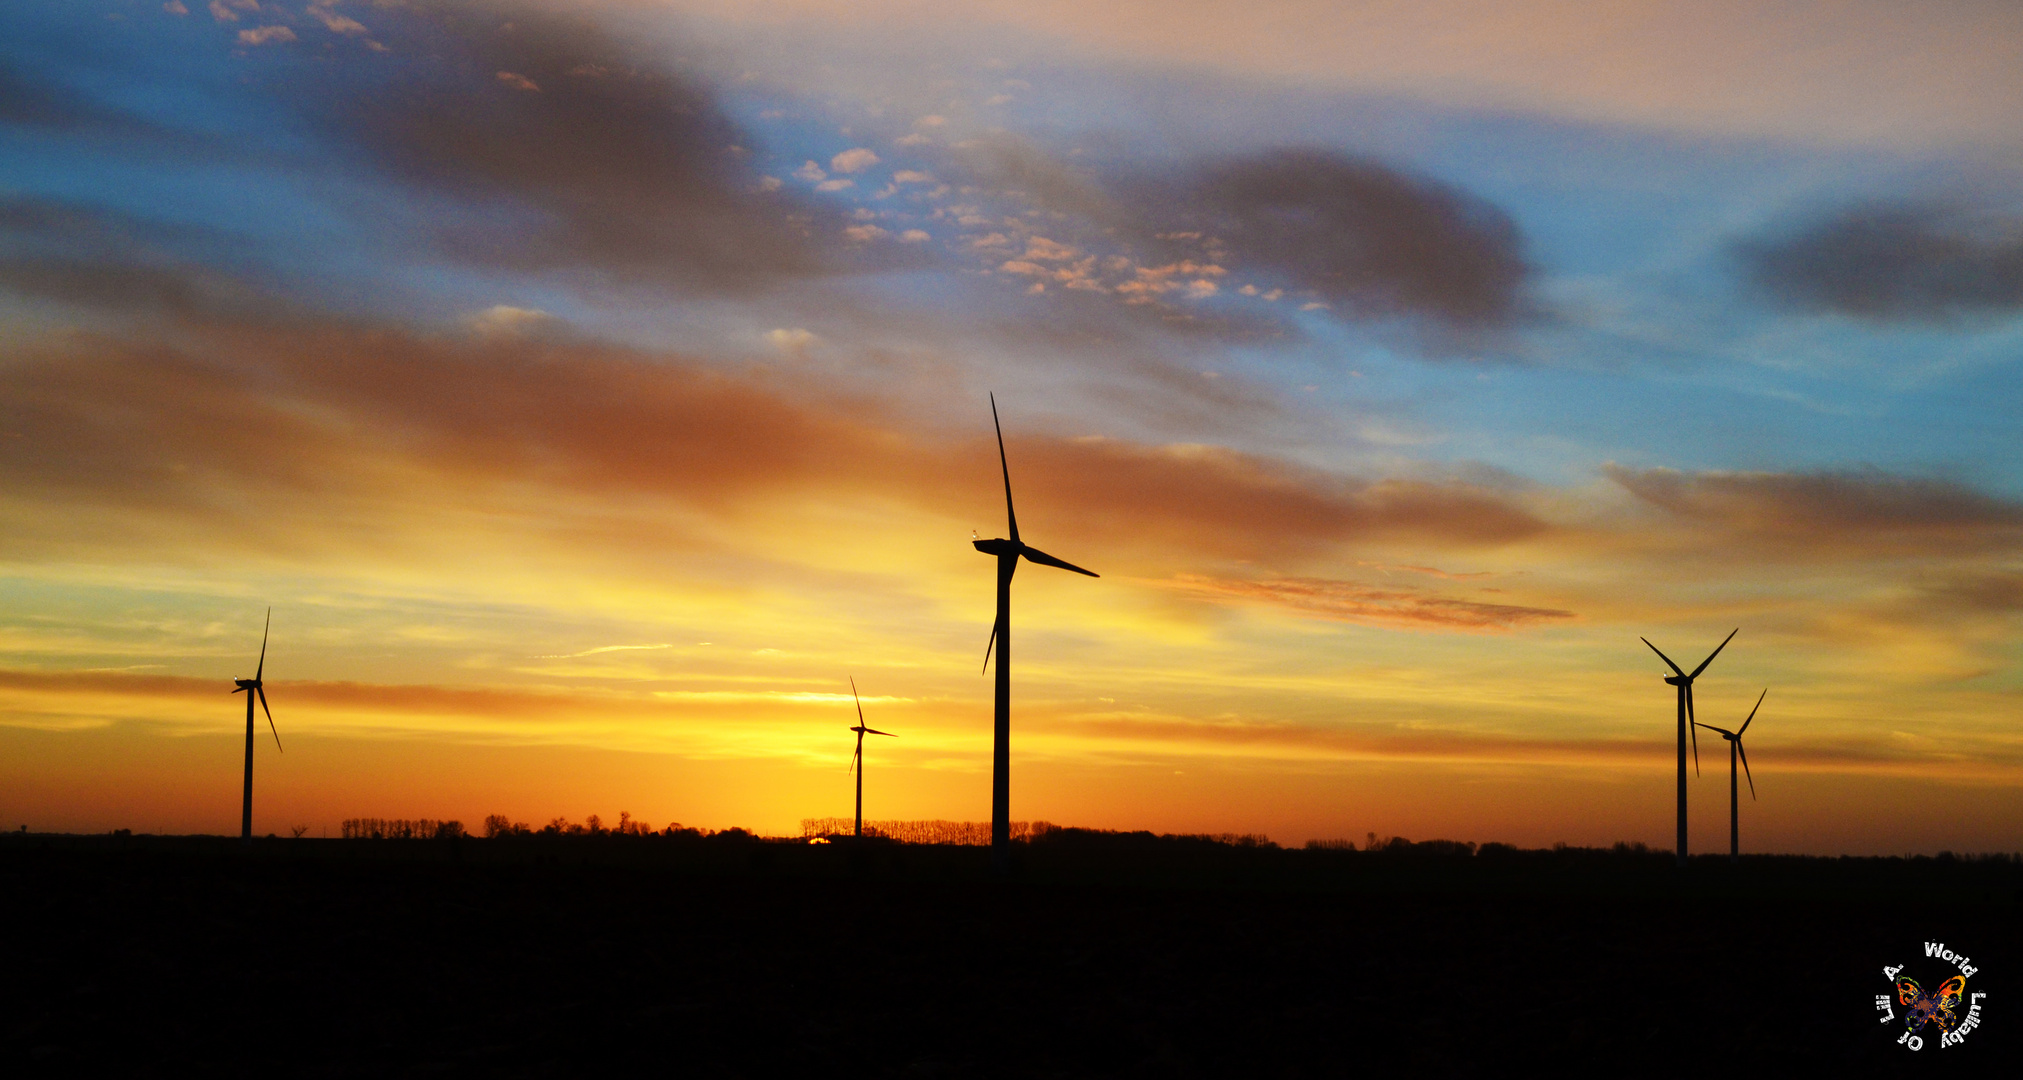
x=1103, y=956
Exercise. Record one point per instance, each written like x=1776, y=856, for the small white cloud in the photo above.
x=335, y=23
x=266, y=35
x=810, y=172
x=854, y=160
x=1038, y=287
x=835, y=185
x=914, y=236
x=999, y=99
x=795, y=341
x=175, y=7
x=864, y=234
x=504, y=320
x=770, y=183
x=930, y=121
x=223, y=10
x=910, y=176
x=913, y=139
x=1248, y=290
x=1315, y=306
x=1274, y=295
x=1039, y=247
x=518, y=82
x=1200, y=288
x=863, y=214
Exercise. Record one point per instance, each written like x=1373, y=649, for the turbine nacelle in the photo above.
x=999, y=547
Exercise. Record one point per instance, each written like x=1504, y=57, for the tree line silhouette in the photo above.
x=400, y=829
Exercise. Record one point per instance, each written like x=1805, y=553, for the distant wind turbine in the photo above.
x=254, y=688
x=857, y=759
x=1685, y=684
x=1008, y=553
x=1734, y=802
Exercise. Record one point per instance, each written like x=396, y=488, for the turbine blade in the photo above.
x=1745, y=767
x=1693, y=726
x=1044, y=559
x=1716, y=652
x=1662, y=656
x=986, y=651
x=1011, y=516
x=858, y=700
x=1752, y=712
x=1711, y=727
x=263, y=644
x=261, y=693
x=875, y=731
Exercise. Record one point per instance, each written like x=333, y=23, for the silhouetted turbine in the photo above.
x=857, y=759
x=1008, y=553
x=254, y=688
x=1685, y=684
x=1734, y=802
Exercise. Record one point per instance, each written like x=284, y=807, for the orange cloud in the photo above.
x=258, y=426
x=1348, y=602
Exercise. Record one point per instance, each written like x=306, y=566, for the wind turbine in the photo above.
x=1734, y=804
x=253, y=688
x=1685, y=684
x=1008, y=553
x=857, y=759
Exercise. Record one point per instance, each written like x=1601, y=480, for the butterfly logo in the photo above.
x=1923, y=1007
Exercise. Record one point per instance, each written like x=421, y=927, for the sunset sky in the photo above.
x=592, y=389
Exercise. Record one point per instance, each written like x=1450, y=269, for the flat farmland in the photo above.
x=1100, y=956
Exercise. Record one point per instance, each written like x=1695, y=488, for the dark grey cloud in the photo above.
x=28, y=101
x=80, y=254
x=576, y=150
x=1832, y=513
x=1358, y=233
x=1368, y=239
x=1910, y=263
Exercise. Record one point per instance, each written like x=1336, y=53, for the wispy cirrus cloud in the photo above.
x=599, y=649
x=1346, y=601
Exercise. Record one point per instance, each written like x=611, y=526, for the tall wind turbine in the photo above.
x=857, y=759
x=254, y=688
x=1734, y=803
x=1685, y=684
x=1008, y=553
